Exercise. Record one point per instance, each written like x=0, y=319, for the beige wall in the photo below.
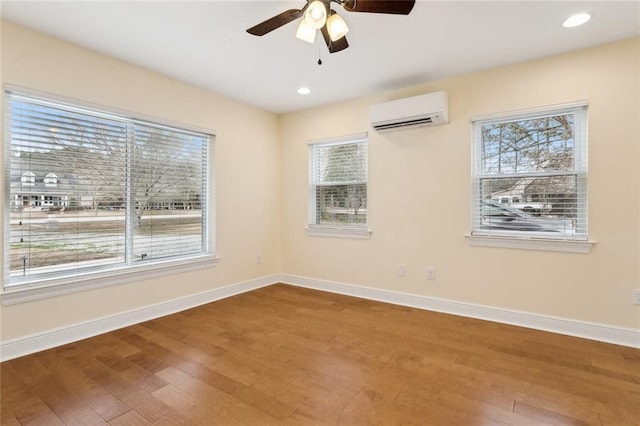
x=420, y=187
x=247, y=172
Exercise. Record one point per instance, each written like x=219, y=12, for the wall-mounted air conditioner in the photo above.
x=423, y=110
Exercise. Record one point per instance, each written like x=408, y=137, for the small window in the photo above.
x=338, y=184
x=530, y=174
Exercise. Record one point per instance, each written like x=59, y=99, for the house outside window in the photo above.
x=51, y=180
x=338, y=176
x=119, y=195
x=28, y=179
x=530, y=174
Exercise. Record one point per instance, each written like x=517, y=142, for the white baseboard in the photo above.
x=61, y=336
x=57, y=337
x=600, y=332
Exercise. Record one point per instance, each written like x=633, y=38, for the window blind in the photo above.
x=91, y=191
x=530, y=174
x=338, y=182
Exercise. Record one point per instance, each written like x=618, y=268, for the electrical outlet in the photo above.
x=402, y=271
x=258, y=259
x=636, y=296
x=431, y=273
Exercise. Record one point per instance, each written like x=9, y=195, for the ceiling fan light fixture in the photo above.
x=306, y=32
x=337, y=27
x=316, y=14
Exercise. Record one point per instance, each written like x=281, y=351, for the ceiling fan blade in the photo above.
x=275, y=22
x=334, y=46
x=396, y=7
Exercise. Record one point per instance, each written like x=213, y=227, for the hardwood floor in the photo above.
x=292, y=356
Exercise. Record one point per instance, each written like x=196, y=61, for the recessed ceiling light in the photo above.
x=304, y=91
x=576, y=20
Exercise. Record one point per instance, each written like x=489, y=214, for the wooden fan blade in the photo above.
x=275, y=22
x=396, y=7
x=334, y=46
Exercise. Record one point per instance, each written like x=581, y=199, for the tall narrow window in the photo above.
x=338, y=184
x=530, y=174
x=116, y=193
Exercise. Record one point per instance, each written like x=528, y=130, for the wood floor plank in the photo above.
x=19, y=402
x=544, y=416
x=145, y=404
x=6, y=414
x=132, y=372
x=312, y=398
x=569, y=397
x=576, y=382
x=64, y=403
x=205, y=404
x=130, y=418
x=217, y=379
x=373, y=408
x=37, y=414
x=68, y=372
x=284, y=355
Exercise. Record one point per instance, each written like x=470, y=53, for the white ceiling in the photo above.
x=205, y=42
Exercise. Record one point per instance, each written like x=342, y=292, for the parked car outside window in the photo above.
x=497, y=216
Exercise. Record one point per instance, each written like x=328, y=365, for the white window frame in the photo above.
x=360, y=231
x=526, y=240
x=71, y=281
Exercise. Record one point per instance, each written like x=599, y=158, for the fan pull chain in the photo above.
x=319, y=56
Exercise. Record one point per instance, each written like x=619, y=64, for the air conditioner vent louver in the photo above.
x=424, y=110
x=408, y=123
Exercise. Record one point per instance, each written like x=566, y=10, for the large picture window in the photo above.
x=91, y=192
x=530, y=174
x=338, y=184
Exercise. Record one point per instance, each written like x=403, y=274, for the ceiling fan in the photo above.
x=318, y=15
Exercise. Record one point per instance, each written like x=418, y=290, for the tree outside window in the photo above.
x=530, y=174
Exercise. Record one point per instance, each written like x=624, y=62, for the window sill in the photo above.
x=337, y=232
x=57, y=287
x=567, y=246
